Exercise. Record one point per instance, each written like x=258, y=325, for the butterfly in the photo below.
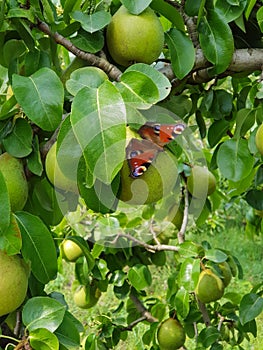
x=141, y=153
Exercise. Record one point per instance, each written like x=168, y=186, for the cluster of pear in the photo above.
x=85, y=296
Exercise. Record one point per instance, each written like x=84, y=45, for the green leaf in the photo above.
x=208, y=336
x=88, y=42
x=34, y=162
x=255, y=199
x=250, y=6
x=85, y=249
x=68, y=332
x=140, y=276
x=192, y=7
x=99, y=123
x=188, y=249
x=216, y=131
x=38, y=246
x=182, y=52
x=230, y=11
x=160, y=80
x=216, y=255
x=216, y=40
x=260, y=18
x=21, y=13
x=10, y=238
x=189, y=273
x=94, y=22
x=136, y=7
x=46, y=90
x=138, y=90
x=245, y=119
x=12, y=49
x=70, y=6
x=18, y=142
x=251, y=306
x=90, y=77
x=5, y=208
x=43, y=339
x=169, y=12
x=43, y=312
x=234, y=159
x=182, y=302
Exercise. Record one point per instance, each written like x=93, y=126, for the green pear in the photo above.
x=134, y=38
x=16, y=182
x=70, y=250
x=226, y=273
x=259, y=139
x=209, y=287
x=13, y=284
x=171, y=334
x=201, y=182
x=86, y=297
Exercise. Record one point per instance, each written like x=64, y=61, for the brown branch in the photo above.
x=133, y=324
x=149, y=247
x=204, y=312
x=244, y=60
x=111, y=70
x=181, y=233
x=142, y=309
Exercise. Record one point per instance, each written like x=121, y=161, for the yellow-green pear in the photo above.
x=209, y=287
x=13, y=283
x=86, y=297
x=134, y=38
x=201, y=182
x=70, y=250
x=171, y=334
x=16, y=182
x=54, y=173
x=259, y=139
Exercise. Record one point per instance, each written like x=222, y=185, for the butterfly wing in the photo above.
x=140, y=154
x=161, y=134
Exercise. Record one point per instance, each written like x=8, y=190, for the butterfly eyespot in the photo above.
x=140, y=170
x=178, y=129
x=156, y=129
x=134, y=154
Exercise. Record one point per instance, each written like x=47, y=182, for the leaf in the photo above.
x=216, y=131
x=140, y=276
x=234, y=159
x=255, y=199
x=182, y=52
x=189, y=273
x=10, y=238
x=250, y=6
x=230, y=11
x=245, y=119
x=192, y=7
x=90, y=77
x=85, y=249
x=251, y=306
x=5, y=208
x=182, y=302
x=160, y=80
x=138, y=90
x=34, y=162
x=68, y=332
x=70, y=6
x=38, y=246
x=46, y=90
x=189, y=249
x=21, y=13
x=208, y=336
x=260, y=18
x=43, y=339
x=94, y=22
x=12, y=49
x=88, y=42
x=136, y=7
x=19, y=142
x=216, y=255
x=216, y=40
x=99, y=123
x=43, y=312
x=169, y=12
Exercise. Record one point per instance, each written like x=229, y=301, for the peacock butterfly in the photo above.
x=161, y=134
x=141, y=153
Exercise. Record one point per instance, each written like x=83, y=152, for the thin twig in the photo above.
x=204, y=312
x=142, y=309
x=151, y=248
x=181, y=233
x=133, y=324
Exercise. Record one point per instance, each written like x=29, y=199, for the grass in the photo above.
x=249, y=253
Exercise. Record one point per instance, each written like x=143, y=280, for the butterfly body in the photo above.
x=141, y=153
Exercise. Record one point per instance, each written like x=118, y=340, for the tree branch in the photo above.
x=111, y=70
x=151, y=248
x=142, y=310
x=181, y=233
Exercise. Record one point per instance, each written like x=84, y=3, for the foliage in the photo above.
x=209, y=78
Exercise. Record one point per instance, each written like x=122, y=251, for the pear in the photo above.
x=13, y=284
x=201, y=182
x=70, y=250
x=259, y=139
x=171, y=334
x=134, y=38
x=226, y=273
x=209, y=287
x=16, y=182
x=86, y=297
